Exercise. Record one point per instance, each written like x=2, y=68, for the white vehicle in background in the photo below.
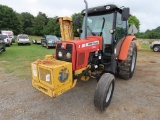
x=6, y=39
x=23, y=39
x=155, y=46
x=9, y=33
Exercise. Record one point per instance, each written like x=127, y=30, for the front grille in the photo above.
x=68, y=49
x=59, y=46
x=81, y=58
x=45, y=75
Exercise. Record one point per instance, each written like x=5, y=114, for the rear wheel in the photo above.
x=156, y=48
x=104, y=91
x=127, y=67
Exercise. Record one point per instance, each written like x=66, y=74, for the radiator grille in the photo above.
x=81, y=58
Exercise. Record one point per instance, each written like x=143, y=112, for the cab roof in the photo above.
x=103, y=9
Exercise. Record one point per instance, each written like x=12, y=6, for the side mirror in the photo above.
x=125, y=14
x=76, y=21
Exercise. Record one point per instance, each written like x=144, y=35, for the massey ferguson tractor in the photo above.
x=105, y=50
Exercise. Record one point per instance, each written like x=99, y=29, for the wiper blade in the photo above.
x=91, y=31
x=102, y=26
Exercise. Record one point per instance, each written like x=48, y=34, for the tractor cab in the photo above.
x=109, y=22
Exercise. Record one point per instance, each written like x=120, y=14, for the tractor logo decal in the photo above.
x=63, y=75
x=92, y=43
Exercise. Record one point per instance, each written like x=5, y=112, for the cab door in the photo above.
x=120, y=32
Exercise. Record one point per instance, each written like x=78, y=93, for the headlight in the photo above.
x=68, y=55
x=60, y=54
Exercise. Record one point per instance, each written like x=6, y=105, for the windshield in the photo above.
x=3, y=36
x=51, y=37
x=10, y=36
x=99, y=25
x=23, y=37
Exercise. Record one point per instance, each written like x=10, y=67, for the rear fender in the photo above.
x=125, y=46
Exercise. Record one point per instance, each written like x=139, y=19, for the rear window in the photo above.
x=3, y=36
x=51, y=37
x=23, y=37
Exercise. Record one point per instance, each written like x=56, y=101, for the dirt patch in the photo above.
x=137, y=98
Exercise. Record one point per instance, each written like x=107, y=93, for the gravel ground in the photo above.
x=135, y=99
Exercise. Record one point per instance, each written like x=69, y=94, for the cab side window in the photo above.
x=121, y=29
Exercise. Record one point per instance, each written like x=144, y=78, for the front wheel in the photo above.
x=47, y=46
x=156, y=48
x=104, y=91
x=9, y=45
x=4, y=48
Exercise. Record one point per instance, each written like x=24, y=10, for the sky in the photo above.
x=147, y=11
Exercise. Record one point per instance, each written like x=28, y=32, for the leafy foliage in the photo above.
x=52, y=27
x=26, y=19
x=9, y=20
x=39, y=23
x=150, y=34
x=134, y=20
x=80, y=24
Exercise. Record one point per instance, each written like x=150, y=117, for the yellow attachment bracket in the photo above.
x=66, y=28
x=84, y=78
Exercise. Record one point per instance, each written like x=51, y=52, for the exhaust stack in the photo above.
x=86, y=16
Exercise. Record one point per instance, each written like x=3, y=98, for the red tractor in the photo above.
x=105, y=49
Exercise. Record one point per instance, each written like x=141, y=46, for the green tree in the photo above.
x=9, y=20
x=39, y=23
x=26, y=19
x=76, y=34
x=52, y=27
x=134, y=20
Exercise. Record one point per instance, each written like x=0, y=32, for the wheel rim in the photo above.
x=109, y=92
x=155, y=49
x=133, y=61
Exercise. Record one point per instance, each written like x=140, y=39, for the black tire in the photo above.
x=156, y=48
x=104, y=91
x=4, y=48
x=18, y=44
x=47, y=46
x=33, y=41
x=42, y=44
x=126, y=68
x=9, y=45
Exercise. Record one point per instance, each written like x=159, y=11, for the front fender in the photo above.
x=125, y=46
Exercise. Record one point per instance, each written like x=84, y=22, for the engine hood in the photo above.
x=92, y=42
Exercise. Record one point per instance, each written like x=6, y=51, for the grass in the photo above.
x=145, y=47
x=17, y=59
